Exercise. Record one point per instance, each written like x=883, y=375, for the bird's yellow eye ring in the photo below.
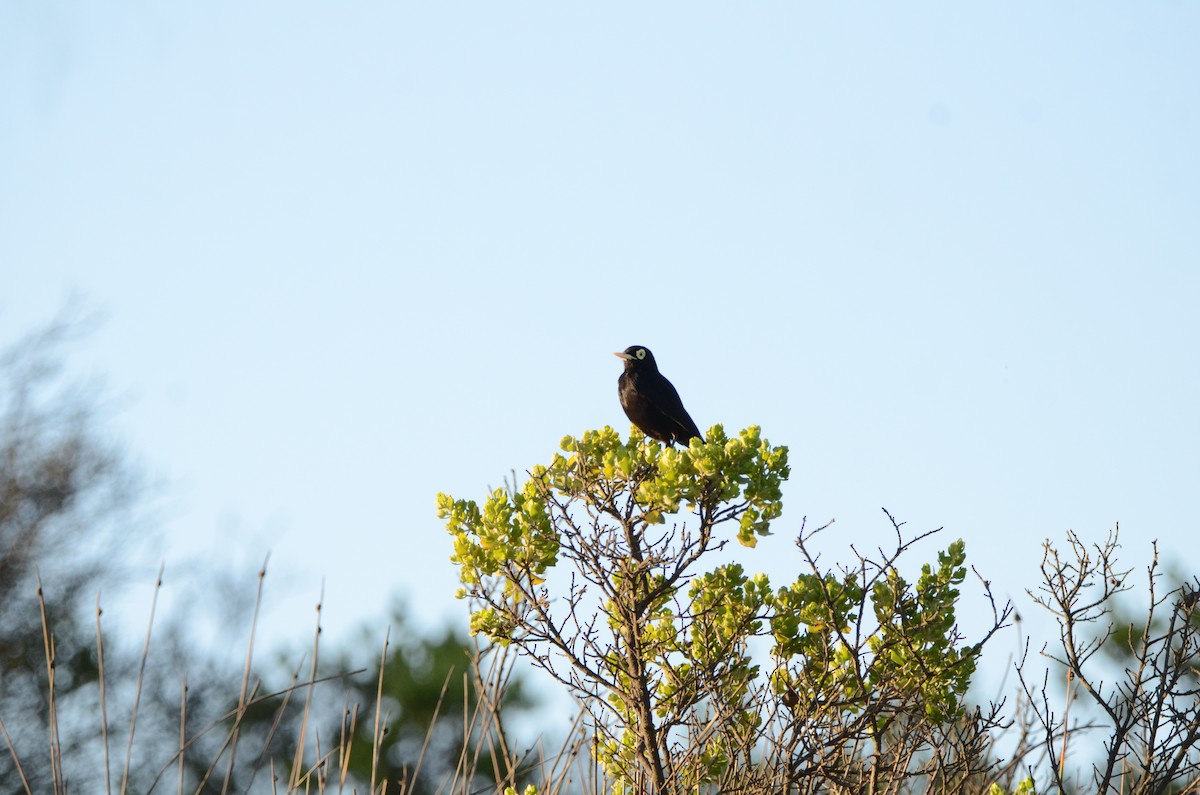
x=641, y=353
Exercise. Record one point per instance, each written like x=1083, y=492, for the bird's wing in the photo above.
x=673, y=410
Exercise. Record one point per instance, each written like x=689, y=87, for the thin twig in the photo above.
x=241, y=708
x=137, y=696
x=1062, y=756
x=346, y=746
x=376, y=737
x=103, y=701
x=183, y=692
x=15, y=758
x=52, y=692
x=298, y=761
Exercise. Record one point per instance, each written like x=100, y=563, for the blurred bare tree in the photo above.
x=66, y=492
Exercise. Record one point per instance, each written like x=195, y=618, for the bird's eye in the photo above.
x=641, y=353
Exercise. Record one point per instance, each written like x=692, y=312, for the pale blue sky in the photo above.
x=353, y=254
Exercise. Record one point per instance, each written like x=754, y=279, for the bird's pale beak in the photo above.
x=623, y=355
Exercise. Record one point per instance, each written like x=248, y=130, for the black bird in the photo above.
x=650, y=401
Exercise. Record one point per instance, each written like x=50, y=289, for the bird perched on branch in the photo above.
x=650, y=401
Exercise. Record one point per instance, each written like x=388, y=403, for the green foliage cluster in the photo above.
x=1025, y=787
x=515, y=531
x=670, y=659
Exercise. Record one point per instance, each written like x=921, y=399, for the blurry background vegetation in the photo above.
x=74, y=510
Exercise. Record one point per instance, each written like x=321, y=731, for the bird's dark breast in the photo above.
x=642, y=410
x=635, y=404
